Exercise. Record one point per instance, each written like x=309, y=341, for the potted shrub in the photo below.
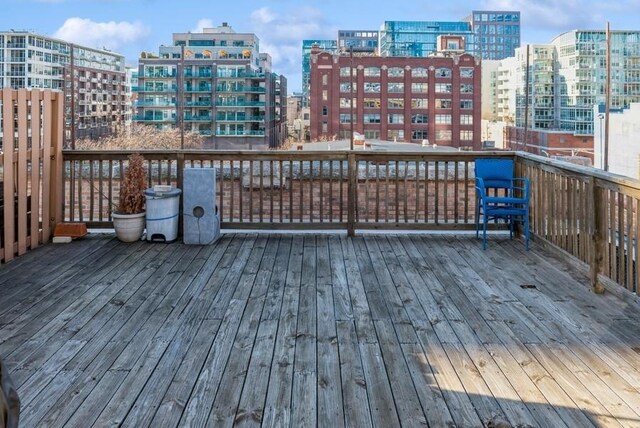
x=129, y=217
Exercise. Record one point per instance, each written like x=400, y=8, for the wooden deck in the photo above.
x=306, y=330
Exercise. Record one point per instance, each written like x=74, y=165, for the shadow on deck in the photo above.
x=305, y=330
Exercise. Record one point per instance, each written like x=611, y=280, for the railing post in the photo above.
x=597, y=239
x=180, y=185
x=351, y=194
x=56, y=127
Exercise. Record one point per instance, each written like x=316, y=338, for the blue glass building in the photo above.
x=418, y=38
x=496, y=33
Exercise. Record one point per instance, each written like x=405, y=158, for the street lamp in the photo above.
x=601, y=117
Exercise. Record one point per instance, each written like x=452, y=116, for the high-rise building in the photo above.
x=216, y=83
x=93, y=80
x=419, y=38
x=398, y=98
x=496, y=33
x=567, y=78
x=362, y=40
x=330, y=46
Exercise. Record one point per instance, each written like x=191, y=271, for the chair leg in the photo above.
x=526, y=231
x=484, y=232
x=477, y=216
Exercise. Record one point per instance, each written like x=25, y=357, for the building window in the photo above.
x=372, y=71
x=346, y=118
x=466, y=119
x=443, y=119
x=420, y=103
x=371, y=134
x=443, y=88
x=443, y=103
x=395, y=72
x=325, y=79
x=443, y=72
x=419, y=72
x=443, y=135
x=417, y=88
x=346, y=87
x=396, y=118
x=466, y=135
x=419, y=134
x=325, y=127
x=397, y=134
x=395, y=103
x=372, y=87
x=344, y=102
x=344, y=71
x=466, y=72
x=419, y=118
x=466, y=88
x=325, y=110
x=371, y=118
x=395, y=87
x=325, y=95
x=371, y=103
x=466, y=104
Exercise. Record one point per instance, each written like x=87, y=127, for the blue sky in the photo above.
x=132, y=26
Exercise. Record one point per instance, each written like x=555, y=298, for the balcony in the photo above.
x=198, y=89
x=198, y=118
x=302, y=329
x=240, y=103
x=245, y=133
x=240, y=119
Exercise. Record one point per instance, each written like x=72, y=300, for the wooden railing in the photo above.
x=296, y=190
x=31, y=140
x=590, y=214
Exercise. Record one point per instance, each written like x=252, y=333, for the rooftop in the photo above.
x=316, y=329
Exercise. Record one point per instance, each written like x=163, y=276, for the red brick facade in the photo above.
x=406, y=99
x=549, y=143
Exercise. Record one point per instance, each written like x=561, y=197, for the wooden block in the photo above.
x=74, y=230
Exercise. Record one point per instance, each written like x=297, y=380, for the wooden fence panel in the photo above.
x=28, y=142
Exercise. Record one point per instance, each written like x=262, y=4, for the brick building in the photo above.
x=409, y=99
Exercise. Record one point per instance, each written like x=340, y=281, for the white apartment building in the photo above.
x=94, y=80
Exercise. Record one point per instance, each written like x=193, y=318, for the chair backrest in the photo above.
x=496, y=173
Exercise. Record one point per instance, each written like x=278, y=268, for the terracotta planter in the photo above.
x=129, y=227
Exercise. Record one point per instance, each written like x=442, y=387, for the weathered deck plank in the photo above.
x=304, y=330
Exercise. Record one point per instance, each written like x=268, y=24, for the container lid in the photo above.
x=162, y=192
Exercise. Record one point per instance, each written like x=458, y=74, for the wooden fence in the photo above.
x=31, y=140
x=296, y=190
x=590, y=214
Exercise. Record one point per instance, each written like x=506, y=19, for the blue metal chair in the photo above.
x=500, y=195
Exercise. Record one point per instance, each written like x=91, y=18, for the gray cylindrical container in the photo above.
x=163, y=208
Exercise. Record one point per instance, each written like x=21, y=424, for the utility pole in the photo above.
x=180, y=98
x=526, y=102
x=607, y=100
x=351, y=101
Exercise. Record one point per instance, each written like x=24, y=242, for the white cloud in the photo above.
x=203, y=23
x=552, y=14
x=111, y=35
x=281, y=37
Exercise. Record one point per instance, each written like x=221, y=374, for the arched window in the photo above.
x=443, y=72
